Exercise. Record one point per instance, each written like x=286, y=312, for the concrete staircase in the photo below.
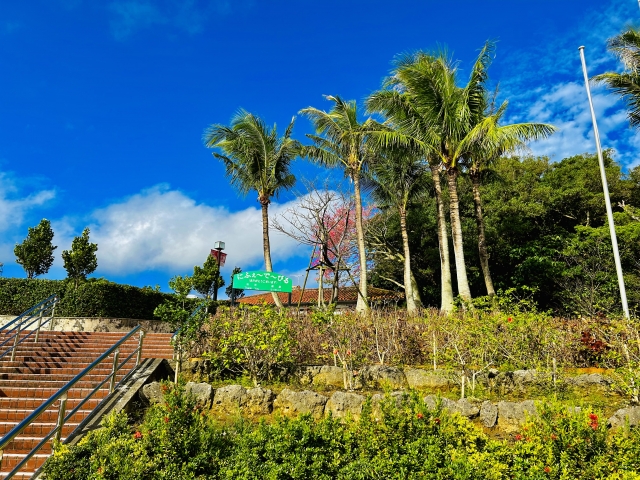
x=41, y=368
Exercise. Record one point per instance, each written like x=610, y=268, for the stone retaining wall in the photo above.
x=236, y=399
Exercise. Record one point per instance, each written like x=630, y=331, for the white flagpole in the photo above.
x=605, y=189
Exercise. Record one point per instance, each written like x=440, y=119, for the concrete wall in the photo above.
x=81, y=324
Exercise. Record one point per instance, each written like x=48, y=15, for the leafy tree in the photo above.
x=234, y=293
x=256, y=159
x=493, y=141
x=81, y=260
x=207, y=279
x=341, y=140
x=626, y=47
x=35, y=254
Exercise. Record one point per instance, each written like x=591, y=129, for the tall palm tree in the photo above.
x=255, y=158
x=440, y=116
x=626, y=47
x=399, y=179
x=411, y=128
x=491, y=141
x=341, y=140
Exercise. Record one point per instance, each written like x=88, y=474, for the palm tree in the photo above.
x=626, y=47
x=341, y=140
x=412, y=128
x=399, y=177
x=255, y=158
x=491, y=141
x=439, y=116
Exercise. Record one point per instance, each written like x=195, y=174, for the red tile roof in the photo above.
x=346, y=295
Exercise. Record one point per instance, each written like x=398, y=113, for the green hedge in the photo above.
x=95, y=298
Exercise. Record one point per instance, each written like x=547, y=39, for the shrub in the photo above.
x=94, y=298
x=176, y=440
x=250, y=340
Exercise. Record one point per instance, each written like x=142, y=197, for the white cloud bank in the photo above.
x=13, y=207
x=163, y=229
x=565, y=105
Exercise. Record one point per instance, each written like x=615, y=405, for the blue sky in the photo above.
x=103, y=106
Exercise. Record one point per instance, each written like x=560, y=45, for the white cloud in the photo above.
x=13, y=206
x=163, y=229
x=566, y=106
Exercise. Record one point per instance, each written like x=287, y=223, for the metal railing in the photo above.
x=177, y=343
x=62, y=395
x=41, y=314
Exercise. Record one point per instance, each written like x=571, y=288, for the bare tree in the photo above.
x=323, y=219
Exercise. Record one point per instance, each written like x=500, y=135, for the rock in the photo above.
x=467, y=409
x=589, y=379
x=382, y=376
x=202, y=392
x=488, y=414
x=624, y=415
x=423, y=379
x=521, y=377
x=305, y=373
x=258, y=401
x=292, y=403
x=432, y=402
x=152, y=393
x=329, y=376
x=511, y=414
x=229, y=399
x=342, y=405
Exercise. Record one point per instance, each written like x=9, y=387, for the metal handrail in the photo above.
x=62, y=395
x=45, y=308
x=177, y=346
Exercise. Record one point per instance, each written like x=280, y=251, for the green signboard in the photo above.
x=266, y=281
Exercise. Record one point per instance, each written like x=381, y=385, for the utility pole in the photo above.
x=605, y=189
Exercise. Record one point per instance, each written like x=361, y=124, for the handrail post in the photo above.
x=178, y=362
x=112, y=383
x=61, y=413
x=16, y=341
x=35, y=340
x=139, y=356
x=53, y=312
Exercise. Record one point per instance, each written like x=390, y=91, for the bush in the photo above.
x=94, y=298
x=176, y=440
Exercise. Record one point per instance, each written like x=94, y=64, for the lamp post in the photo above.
x=219, y=246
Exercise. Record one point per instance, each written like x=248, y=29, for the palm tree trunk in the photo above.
x=267, y=247
x=362, y=304
x=446, y=289
x=482, y=242
x=416, y=291
x=456, y=233
x=412, y=308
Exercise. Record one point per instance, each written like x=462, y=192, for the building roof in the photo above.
x=346, y=295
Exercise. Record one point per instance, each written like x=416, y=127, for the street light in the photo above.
x=218, y=246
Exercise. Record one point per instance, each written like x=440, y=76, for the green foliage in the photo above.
x=81, y=260
x=250, y=340
x=207, y=279
x=35, y=254
x=172, y=443
x=183, y=313
x=94, y=298
x=234, y=293
x=400, y=439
